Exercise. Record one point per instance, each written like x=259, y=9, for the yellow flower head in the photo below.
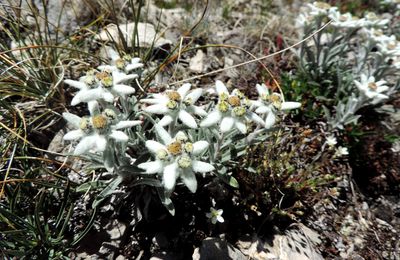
x=99, y=121
x=175, y=148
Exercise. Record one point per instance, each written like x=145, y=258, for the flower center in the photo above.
x=372, y=85
x=84, y=124
x=172, y=104
x=181, y=137
x=223, y=96
x=102, y=75
x=239, y=111
x=188, y=147
x=162, y=154
x=391, y=46
x=107, y=81
x=343, y=18
x=276, y=100
x=120, y=64
x=184, y=162
x=127, y=57
x=175, y=148
x=322, y=5
x=223, y=106
x=110, y=114
x=188, y=101
x=174, y=95
x=99, y=121
x=234, y=101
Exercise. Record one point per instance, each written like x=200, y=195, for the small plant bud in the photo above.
x=184, y=162
x=223, y=106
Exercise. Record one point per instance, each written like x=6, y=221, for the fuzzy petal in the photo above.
x=199, y=147
x=170, y=174
x=156, y=109
x=262, y=90
x=212, y=118
x=263, y=110
x=187, y=119
x=198, y=111
x=183, y=90
x=126, y=124
x=134, y=66
x=221, y=88
x=255, y=118
x=189, y=179
x=119, y=136
x=76, y=84
x=73, y=135
x=154, y=146
x=202, y=167
x=152, y=167
x=107, y=96
x=166, y=120
x=87, y=143
x=194, y=95
x=72, y=119
x=123, y=89
x=241, y=127
x=227, y=124
x=270, y=120
x=290, y=105
x=93, y=107
x=163, y=134
x=122, y=77
x=101, y=143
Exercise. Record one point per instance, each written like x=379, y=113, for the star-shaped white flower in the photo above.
x=345, y=20
x=104, y=85
x=372, y=89
x=95, y=131
x=176, y=104
x=215, y=215
x=341, y=151
x=320, y=8
x=390, y=46
x=126, y=63
x=331, y=141
x=176, y=158
x=269, y=104
x=232, y=111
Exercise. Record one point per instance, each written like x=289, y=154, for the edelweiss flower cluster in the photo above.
x=178, y=142
x=176, y=157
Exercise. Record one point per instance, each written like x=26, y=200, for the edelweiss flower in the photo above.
x=176, y=104
x=101, y=85
x=233, y=110
x=269, y=104
x=176, y=157
x=371, y=19
x=125, y=63
x=345, y=20
x=391, y=46
x=372, y=89
x=341, y=151
x=376, y=34
x=95, y=131
x=321, y=8
x=215, y=215
x=331, y=141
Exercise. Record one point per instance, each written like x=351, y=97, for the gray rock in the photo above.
x=217, y=248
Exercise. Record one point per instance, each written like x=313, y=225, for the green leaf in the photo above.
x=91, y=185
x=233, y=182
x=107, y=191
